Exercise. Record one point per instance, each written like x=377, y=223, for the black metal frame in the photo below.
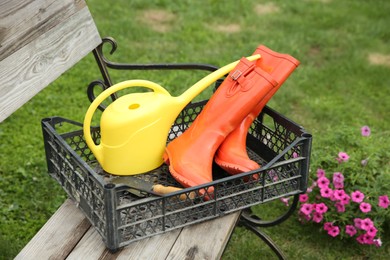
x=103, y=64
x=247, y=219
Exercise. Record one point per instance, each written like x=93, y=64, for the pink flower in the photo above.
x=306, y=217
x=357, y=196
x=326, y=192
x=295, y=155
x=360, y=239
x=338, y=194
x=332, y=197
x=323, y=182
x=345, y=199
x=303, y=197
x=338, y=177
x=334, y=231
x=320, y=173
x=340, y=207
x=312, y=186
x=384, y=201
x=328, y=226
x=372, y=231
x=366, y=131
x=378, y=242
x=366, y=224
x=321, y=208
x=338, y=185
x=368, y=240
x=285, y=201
x=317, y=217
x=350, y=230
x=358, y=223
x=365, y=207
x=343, y=157
x=338, y=180
x=365, y=239
x=306, y=208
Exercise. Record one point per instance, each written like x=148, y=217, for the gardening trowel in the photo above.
x=139, y=187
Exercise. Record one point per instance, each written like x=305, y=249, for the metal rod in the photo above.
x=249, y=216
x=271, y=244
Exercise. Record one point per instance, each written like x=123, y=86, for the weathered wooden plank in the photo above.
x=205, y=240
x=27, y=71
x=156, y=247
x=57, y=238
x=91, y=246
x=23, y=21
x=69, y=235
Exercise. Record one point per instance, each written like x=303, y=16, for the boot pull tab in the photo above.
x=240, y=78
x=236, y=74
x=238, y=83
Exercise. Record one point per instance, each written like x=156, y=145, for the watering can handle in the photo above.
x=106, y=93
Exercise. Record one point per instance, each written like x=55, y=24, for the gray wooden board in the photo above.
x=40, y=40
x=68, y=235
x=24, y=21
x=57, y=238
x=92, y=247
x=206, y=240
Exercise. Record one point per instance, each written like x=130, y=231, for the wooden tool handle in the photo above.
x=161, y=189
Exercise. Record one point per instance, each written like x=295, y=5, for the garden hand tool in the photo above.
x=139, y=187
x=190, y=155
x=232, y=154
x=134, y=128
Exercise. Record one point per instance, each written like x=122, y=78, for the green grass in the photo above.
x=335, y=86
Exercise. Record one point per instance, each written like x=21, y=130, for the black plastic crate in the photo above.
x=279, y=145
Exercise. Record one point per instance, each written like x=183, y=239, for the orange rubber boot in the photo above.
x=190, y=156
x=232, y=155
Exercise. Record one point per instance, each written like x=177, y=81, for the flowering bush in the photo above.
x=348, y=199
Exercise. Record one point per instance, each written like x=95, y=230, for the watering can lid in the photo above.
x=144, y=105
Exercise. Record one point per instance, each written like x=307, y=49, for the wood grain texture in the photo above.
x=27, y=71
x=156, y=247
x=68, y=235
x=23, y=21
x=91, y=246
x=57, y=238
x=206, y=240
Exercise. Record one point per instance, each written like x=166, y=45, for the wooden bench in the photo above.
x=69, y=235
x=40, y=40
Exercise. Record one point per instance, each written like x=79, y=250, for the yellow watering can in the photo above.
x=134, y=128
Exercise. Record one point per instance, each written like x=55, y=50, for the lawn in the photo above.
x=343, y=83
